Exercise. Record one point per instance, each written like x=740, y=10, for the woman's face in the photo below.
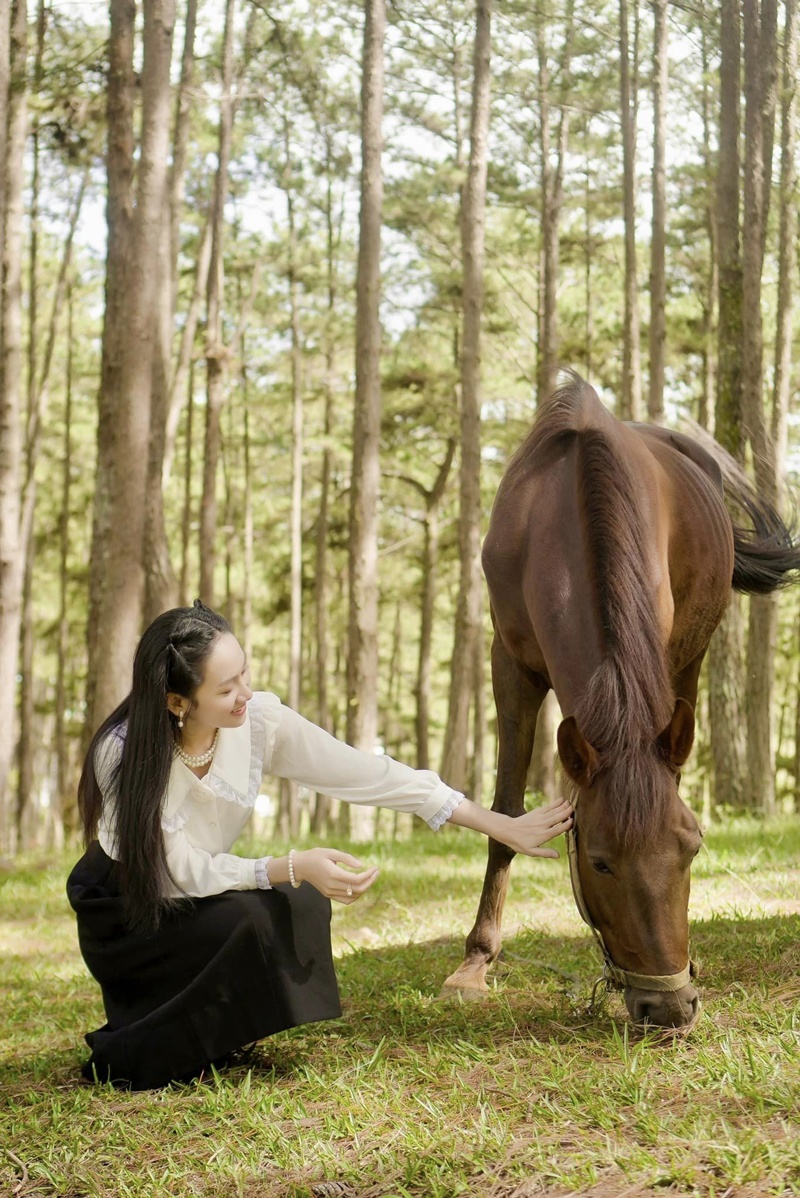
x=222, y=697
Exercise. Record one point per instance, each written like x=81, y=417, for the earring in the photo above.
x=180, y=719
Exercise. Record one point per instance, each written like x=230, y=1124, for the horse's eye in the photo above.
x=600, y=867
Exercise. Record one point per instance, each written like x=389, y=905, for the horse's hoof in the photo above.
x=461, y=994
x=465, y=986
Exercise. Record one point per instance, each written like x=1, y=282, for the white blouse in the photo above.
x=202, y=817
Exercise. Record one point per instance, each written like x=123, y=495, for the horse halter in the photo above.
x=615, y=977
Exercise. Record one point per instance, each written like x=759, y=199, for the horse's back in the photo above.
x=542, y=573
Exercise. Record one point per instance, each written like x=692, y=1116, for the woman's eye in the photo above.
x=600, y=867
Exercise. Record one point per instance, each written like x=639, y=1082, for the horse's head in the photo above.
x=635, y=840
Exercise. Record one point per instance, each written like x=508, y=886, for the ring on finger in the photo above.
x=349, y=891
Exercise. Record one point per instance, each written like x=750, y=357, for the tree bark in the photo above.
x=759, y=71
x=362, y=649
x=118, y=622
x=289, y=795
x=658, y=278
x=705, y=413
x=473, y=216
x=11, y=401
x=119, y=215
x=38, y=387
x=726, y=684
x=430, y=565
x=322, y=802
x=67, y=807
x=631, y=395
x=215, y=366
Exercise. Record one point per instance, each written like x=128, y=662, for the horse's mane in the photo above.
x=628, y=700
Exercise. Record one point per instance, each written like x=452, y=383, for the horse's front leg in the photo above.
x=518, y=696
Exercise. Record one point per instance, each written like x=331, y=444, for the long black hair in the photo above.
x=170, y=659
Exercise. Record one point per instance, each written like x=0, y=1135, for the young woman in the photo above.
x=198, y=951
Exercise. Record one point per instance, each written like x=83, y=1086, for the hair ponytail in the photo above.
x=170, y=659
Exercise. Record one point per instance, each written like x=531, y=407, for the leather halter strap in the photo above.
x=616, y=977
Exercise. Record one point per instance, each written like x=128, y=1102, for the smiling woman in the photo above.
x=199, y=951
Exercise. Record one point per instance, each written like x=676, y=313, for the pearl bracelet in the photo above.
x=292, y=878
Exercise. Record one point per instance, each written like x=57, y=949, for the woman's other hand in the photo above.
x=323, y=869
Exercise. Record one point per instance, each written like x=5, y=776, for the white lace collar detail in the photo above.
x=235, y=773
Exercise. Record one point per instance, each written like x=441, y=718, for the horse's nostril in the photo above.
x=664, y=1010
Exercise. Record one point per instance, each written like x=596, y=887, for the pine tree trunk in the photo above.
x=759, y=44
x=362, y=649
x=186, y=518
x=11, y=401
x=289, y=795
x=430, y=568
x=120, y=94
x=179, y=389
x=67, y=807
x=116, y=627
x=631, y=395
x=725, y=675
x=658, y=279
x=215, y=370
x=473, y=218
x=322, y=802
x=705, y=413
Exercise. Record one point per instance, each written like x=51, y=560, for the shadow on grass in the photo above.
x=539, y=991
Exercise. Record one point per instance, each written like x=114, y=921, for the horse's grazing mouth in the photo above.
x=609, y=559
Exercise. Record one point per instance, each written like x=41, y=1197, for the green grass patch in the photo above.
x=410, y=1097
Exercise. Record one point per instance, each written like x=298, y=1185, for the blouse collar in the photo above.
x=230, y=767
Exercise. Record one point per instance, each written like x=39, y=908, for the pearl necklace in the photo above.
x=194, y=763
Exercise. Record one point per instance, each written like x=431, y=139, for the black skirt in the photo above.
x=218, y=974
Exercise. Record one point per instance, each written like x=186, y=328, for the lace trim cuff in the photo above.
x=444, y=812
x=262, y=873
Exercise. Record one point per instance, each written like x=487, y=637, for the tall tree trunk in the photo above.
x=215, y=367
x=11, y=401
x=179, y=389
x=473, y=216
x=542, y=771
x=161, y=584
x=362, y=649
x=631, y=396
x=759, y=50
x=247, y=580
x=430, y=565
x=120, y=92
x=787, y=232
x=119, y=617
x=726, y=683
x=186, y=518
x=289, y=796
x=658, y=278
x=67, y=808
x=25, y=744
x=38, y=388
x=322, y=802
x=705, y=413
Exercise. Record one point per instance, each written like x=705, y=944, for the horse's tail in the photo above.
x=766, y=555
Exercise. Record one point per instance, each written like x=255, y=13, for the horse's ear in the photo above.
x=578, y=757
x=677, y=738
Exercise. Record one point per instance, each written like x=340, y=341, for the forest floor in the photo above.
x=520, y=1096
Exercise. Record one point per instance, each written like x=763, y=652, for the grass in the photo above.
x=409, y=1097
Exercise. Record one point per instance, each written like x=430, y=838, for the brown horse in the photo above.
x=610, y=558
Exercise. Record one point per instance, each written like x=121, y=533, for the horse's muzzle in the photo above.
x=663, y=1009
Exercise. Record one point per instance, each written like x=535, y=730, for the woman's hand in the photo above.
x=526, y=833
x=323, y=869
x=522, y=833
